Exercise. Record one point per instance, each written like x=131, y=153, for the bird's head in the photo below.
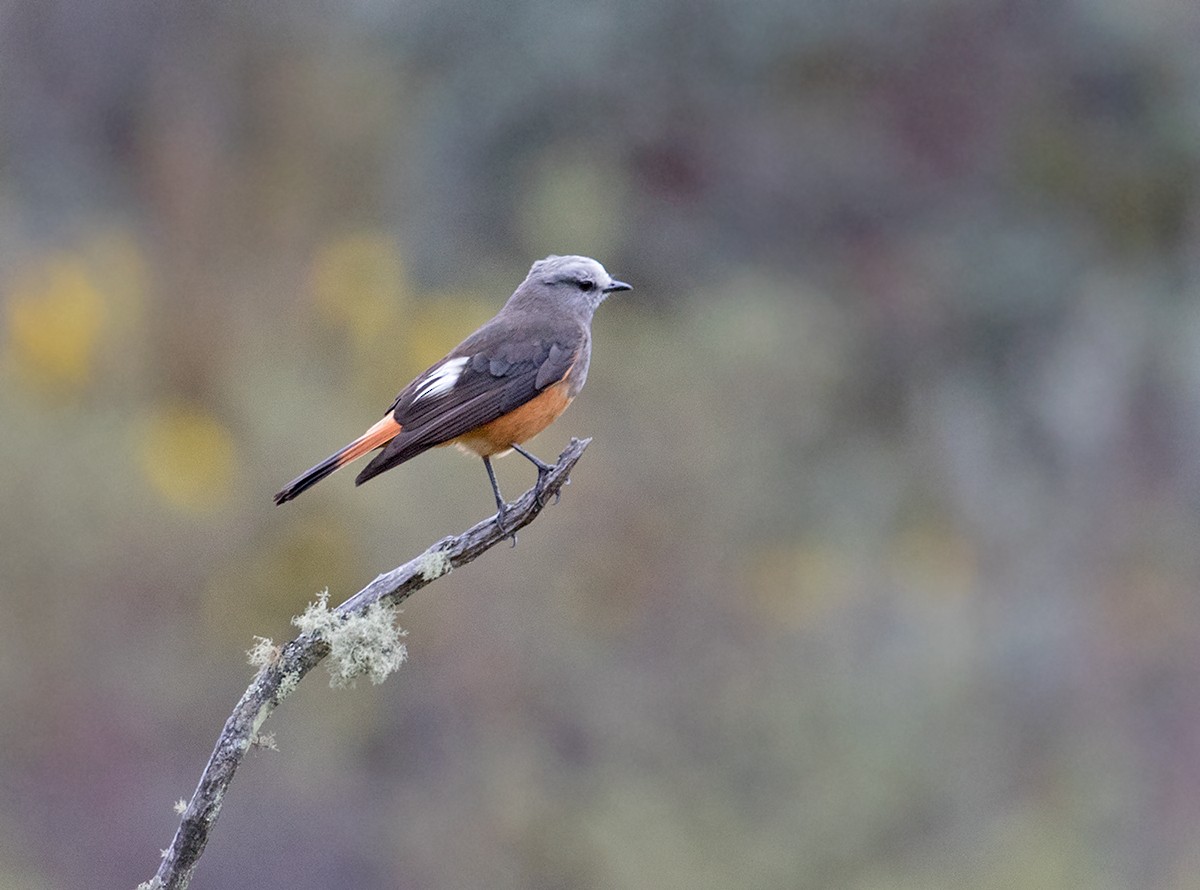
x=578, y=282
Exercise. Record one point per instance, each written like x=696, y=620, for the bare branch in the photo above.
x=279, y=677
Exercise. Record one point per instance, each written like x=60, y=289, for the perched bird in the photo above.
x=503, y=385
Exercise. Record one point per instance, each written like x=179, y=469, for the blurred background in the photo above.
x=881, y=572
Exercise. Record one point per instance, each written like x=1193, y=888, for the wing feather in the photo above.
x=492, y=379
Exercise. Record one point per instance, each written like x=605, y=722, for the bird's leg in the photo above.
x=543, y=470
x=501, y=507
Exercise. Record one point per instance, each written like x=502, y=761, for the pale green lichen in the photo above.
x=433, y=564
x=260, y=717
x=264, y=740
x=365, y=644
x=262, y=653
x=287, y=685
x=180, y=807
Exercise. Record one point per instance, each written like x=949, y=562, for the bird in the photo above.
x=500, y=387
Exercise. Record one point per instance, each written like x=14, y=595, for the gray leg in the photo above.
x=501, y=507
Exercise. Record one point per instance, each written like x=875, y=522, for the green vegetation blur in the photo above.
x=882, y=571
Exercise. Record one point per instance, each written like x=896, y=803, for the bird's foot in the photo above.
x=543, y=470
x=539, y=487
x=501, y=514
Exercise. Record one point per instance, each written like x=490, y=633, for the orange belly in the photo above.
x=517, y=426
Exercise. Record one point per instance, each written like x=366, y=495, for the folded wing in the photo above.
x=476, y=384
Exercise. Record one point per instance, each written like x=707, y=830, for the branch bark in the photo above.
x=279, y=678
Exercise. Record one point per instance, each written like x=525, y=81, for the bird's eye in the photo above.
x=586, y=284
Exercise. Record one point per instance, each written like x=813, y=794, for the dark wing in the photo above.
x=483, y=379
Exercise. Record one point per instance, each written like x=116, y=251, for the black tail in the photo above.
x=307, y=480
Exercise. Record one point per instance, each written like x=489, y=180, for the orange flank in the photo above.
x=517, y=426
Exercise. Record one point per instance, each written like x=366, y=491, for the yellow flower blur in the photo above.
x=55, y=318
x=188, y=457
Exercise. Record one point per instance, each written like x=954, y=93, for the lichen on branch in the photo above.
x=361, y=636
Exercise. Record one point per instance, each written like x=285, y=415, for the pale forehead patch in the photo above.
x=559, y=265
x=441, y=379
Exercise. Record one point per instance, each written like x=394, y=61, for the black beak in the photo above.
x=617, y=285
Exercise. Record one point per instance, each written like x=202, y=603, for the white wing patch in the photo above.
x=441, y=379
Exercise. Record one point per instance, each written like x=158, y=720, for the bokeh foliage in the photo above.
x=881, y=571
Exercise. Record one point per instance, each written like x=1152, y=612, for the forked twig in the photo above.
x=280, y=676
